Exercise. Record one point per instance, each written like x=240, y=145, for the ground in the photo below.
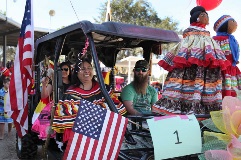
x=8, y=147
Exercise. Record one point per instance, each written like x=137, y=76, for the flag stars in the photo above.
x=89, y=121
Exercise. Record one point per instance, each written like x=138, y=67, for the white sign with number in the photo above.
x=175, y=136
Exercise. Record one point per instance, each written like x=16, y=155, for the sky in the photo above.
x=178, y=10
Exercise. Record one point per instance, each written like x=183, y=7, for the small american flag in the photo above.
x=97, y=134
x=20, y=84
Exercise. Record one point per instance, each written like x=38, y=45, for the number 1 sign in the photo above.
x=175, y=136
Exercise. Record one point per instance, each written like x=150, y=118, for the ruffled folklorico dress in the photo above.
x=194, y=82
x=232, y=75
x=67, y=109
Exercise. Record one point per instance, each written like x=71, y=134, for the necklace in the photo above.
x=87, y=88
x=198, y=28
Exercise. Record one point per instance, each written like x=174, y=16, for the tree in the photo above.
x=138, y=12
x=3, y=12
x=10, y=53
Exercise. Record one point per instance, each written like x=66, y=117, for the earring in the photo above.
x=198, y=20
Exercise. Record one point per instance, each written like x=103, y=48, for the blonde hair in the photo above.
x=50, y=73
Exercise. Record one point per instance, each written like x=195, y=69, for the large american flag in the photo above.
x=20, y=84
x=97, y=134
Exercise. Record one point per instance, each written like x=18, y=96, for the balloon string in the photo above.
x=189, y=4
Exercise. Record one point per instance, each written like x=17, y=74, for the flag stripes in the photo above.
x=21, y=78
x=107, y=146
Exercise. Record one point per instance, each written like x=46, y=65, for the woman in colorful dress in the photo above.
x=3, y=117
x=194, y=82
x=85, y=86
x=224, y=27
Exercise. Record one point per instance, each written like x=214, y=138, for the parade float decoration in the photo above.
x=209, y=4
x=222, y=140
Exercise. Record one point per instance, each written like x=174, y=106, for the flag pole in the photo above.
x=150, y=67
x=49, y=131
x=112, y=71
x=108, y=12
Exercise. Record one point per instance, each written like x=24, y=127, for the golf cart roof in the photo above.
x=107, y=36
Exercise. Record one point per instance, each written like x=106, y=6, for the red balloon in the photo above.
x=208, y=4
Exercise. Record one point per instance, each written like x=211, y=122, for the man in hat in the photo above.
x=138, y=96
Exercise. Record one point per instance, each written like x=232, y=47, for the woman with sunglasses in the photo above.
x=40, y=124
x=84, y=86
x=66, y=75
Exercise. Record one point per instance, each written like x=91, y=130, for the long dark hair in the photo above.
x=70, y=70
x=75, y=80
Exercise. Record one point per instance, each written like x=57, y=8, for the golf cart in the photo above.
x=106, y=40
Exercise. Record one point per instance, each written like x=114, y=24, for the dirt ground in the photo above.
x=8, y=147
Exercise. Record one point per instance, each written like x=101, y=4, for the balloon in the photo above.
x=208, y=4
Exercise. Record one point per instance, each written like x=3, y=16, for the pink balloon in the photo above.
x=208, y=4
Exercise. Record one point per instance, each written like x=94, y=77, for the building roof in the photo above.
x=11, y=29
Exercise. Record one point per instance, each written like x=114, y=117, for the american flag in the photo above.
x=97, y=134
x=20, y=84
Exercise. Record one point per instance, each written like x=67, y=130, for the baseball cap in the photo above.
x=142, y=63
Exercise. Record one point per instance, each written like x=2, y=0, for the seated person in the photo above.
x=47, y=86
x=158, y=87
x=138, y=96
x=66, y=75
x=85, y=86
x=41, y=116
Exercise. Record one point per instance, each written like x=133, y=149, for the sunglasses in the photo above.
x=140, y=69
x=65, y=69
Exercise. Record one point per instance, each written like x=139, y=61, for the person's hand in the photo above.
x=45, y=81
